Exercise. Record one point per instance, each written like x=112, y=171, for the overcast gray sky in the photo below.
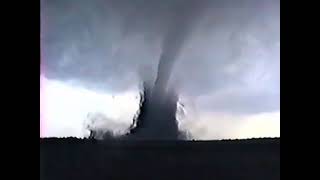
x=226, y=67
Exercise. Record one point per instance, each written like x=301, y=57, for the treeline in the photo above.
x=72, y=158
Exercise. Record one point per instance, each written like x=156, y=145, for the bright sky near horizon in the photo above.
x=64, y=109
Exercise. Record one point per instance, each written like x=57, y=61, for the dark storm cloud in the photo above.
x=212, y=45
x=99, y=40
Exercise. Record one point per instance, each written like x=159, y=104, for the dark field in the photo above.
x=78, y=159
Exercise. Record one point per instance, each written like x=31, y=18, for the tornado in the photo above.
x=157, y=114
